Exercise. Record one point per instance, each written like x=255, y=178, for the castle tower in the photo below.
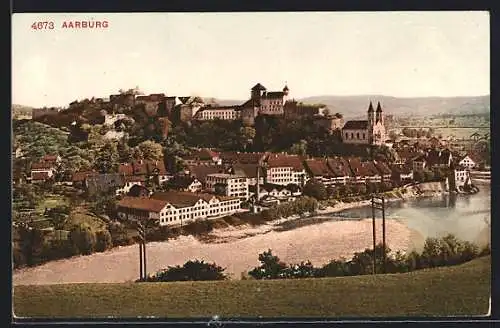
x=257, y=91
x=379, y=116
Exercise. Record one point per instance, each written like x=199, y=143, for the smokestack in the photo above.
x=258, y=184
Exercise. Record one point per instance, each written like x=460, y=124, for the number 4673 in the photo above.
x=42, y=26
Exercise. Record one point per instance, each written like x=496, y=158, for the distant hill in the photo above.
x=356, y=106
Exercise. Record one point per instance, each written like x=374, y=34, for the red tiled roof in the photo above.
x=82, y=175
x=181, y=199
x=142, y=203
x=201, y=171
x=39, y=176
x=283, y=160
x=357, y=168
x=339, y=166
x=318, y=167
x=249, y=170
x=382, y=168
x=42, y=166
x=355, y=125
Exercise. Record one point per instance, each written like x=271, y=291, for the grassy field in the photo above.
x=458, y=290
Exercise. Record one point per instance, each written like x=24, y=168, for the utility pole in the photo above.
x=378, y=203
x=142, y=250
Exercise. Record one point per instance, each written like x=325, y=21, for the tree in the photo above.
x=103, y=241
x=151, y=150
x=316, y=189
x=83, y=239
x=299, y=148
x=107, y=158
x=191, y=271
x=271, y=267
x=247, y=134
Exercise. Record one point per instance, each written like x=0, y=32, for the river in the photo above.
x=407, y=224
x=465, y=216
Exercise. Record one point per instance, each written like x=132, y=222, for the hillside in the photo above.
x=446, y=291
x=355, y=106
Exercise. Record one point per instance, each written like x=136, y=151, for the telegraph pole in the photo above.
x=142, y=250
x=378, y=203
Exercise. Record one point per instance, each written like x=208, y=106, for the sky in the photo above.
x=222, y=55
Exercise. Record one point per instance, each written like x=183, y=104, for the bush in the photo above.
x=271, y=267
x=83, y=240
x=103, y=241
x=190, y=271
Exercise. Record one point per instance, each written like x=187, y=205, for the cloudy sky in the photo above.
x=222, y=55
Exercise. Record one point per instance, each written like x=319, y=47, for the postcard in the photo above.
x=251, y=165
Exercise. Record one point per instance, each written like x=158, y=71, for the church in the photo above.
x=366, y=132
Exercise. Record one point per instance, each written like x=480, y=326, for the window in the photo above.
x=357, y=135
x=364, y=136
x=352, y=135
x=347, y=135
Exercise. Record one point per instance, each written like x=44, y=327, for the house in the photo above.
x=402, y=174
x=200, y=172
x=185, y=183
x=270, y=102
x=250, y=171
x=230, y=158
x=318, y=169
x=210, y=112
x=203, y=156
x=129, y=182
x=471, y=161
x=419, y=163
x=276, y=193
x=285, y=169
x=383, y=169
x=435, y=142
x=460, y=176
x=341, y=170
x=78, y=178
x=233, y=185
x=372, y=173
x=367, y=132
x=105, y=183
x=360, y=173
x=139, y=191
x=154, y=170
x=45, y=169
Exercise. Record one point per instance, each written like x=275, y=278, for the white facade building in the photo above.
x=235, y=185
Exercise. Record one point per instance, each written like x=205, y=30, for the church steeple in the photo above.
x=370, y=108
x=379, y=108
x=379, y=116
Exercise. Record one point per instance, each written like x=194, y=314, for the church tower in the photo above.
x=379, y=116
x=371, y=115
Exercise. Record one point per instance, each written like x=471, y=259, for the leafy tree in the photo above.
x=271, y=267
x=83, y=239
x=316, y=189
x=107, y=158
x=190, y=271
x=299, y=148
x=151, y=150
x=104, y=241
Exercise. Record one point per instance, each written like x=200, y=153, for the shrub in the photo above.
x=336, y=268
x=103, y=241
x=190, y=271
x=83, y=240
x=271, y=267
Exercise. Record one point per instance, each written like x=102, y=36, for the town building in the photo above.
x=177, y=208
x=149, y=169
x=341, y=170
x=272, y=193
x=106, y=183
x=200, y=172
x=437, y=159
x=284, y=169
x=185, y=183
x=233, y=185
x=330, y=123
x=209, y=112
x=250, y=171
x=366, y=132
x=294, y=109
x=470, y=161
x=151, y=103
x=318, y=170
x=45, y=169
x=203, y=156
